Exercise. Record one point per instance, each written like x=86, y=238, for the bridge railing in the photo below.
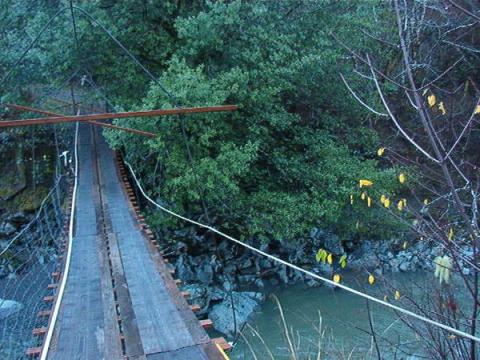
x=30, y=262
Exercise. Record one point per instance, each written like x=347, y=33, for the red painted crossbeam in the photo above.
x=49, y=113
x=107, y=116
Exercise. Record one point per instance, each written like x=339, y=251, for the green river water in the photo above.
x=344, y=318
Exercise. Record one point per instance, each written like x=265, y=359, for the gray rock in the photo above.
x=246, y=279
x=332, y=243
x=222, y=314
x=395, y=264
x=247, y=263
x=184, y=270
x=7, y=229
x=217, y=294
x=404, y=266
x=205, y=274
x=19, y=218
x=198, y=293
x=259, y=283
x=312, y=283
x=9, y=307
x=274, y=281
x=368, y=261
x=282, y=274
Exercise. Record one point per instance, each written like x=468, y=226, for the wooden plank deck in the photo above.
x=80, y=331
x=121, y=300
x=164, y=319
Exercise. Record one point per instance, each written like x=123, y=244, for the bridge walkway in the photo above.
x=120, y=299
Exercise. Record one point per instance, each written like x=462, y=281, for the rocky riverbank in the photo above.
x=224, y=277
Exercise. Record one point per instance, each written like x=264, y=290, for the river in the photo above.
x=344, y=321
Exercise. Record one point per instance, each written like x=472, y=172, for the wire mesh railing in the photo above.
x=30, y=261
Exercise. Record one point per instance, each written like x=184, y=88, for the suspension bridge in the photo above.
x=112, y=294
x=90, y=268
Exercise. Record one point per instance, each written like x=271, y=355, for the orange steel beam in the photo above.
x=107, y=116
x=50, y=113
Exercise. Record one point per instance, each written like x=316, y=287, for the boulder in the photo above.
x=19, y=218
x=7, y=229
x=184, y=270
x=244, y=304
x=205, y=273
x=282, y=274
x=198, y=294
x=9, y=307
x=332, y=243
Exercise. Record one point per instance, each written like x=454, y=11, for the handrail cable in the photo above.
x=61, y=290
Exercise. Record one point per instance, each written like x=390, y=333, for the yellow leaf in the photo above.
x=452, y=337
x=363, y=196
x=321, y=255
x=383, y=198
x=336, y=278
x=404, y=202
x=365, y=182
x=330, y=259
x=405, y=245
x=441, y=107
x=425, y=92
x=351, y=199
x=450, y=234
x=477, y=109
x=400, y=205
x=385, y=298
x=357, y=225
x=371, y=279
x=380, y=151
x=369, y=201
x=397, y=295
x=386, y=203
x=343, y=261
x=425, y=201
x=431, y=100
x=402, y=178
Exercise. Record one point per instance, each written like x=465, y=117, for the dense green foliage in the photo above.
x=289, y=158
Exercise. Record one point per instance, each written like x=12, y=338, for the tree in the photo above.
x=432, y=101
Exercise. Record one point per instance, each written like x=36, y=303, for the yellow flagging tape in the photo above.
x=225, y=356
